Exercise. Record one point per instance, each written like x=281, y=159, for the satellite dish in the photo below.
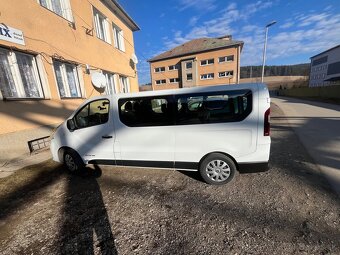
x=134, y=59
x=98, y=80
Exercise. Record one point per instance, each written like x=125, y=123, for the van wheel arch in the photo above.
x=71, y=159
x=226, y=154
x=62, y=151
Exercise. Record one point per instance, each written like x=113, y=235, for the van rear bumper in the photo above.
x=253, y=167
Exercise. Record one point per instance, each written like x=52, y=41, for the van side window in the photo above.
x=142, y=112
x=92, y=114
x=214, y=107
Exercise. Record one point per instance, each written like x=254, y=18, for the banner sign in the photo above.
x=11, y=34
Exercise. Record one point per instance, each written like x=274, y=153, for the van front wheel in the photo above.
x=217, y=169
x=72, y=161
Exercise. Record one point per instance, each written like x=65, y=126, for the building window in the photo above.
x=189, y=77
x=174, y=80
x=159, y=82
x=207, y=76
x=59, y=7
x=110, y=88
x=225, y=74
x=19, y=76
x=159, y=69
x=67, y=79
x=207, y=62
x=173, y=67
x=102, y=26
x=124, y=84
x=118, y=37
x=188, y=65
x=226, y=59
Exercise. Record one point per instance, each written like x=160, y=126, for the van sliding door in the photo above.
x=146, y=132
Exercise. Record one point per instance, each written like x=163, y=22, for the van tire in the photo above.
x=217, y=169
x=72, y=161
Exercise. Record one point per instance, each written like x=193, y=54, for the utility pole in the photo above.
x=265, y=48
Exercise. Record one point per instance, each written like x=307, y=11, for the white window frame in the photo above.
x=110, y=88
x=226, y=59
x=65, y=8
x=174, y=80
x=173, y=67
x=160, y=82
x=118, y=37
x=225, y=74
x=207, y=76
x=205, y=62
x=66, y=84
x=124, y=84
x=186, y=65
x=17, y=80
x=101, y=22
x=158, y=69
x=192, y=77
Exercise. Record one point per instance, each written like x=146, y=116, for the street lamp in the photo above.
x=265, y=47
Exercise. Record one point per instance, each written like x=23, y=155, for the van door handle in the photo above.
x=107, y=136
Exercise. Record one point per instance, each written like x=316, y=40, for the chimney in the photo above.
x=226, y=37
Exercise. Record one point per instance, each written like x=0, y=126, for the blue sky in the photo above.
x=304, y=27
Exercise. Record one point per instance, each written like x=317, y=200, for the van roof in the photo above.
x=252, y=86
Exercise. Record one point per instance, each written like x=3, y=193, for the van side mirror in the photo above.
x=70, y=124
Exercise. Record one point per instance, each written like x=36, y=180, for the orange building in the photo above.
x=48, y=51
x=200, y=62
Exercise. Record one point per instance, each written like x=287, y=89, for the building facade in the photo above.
x=325, y=68
x=200, y=62
x=49, y=50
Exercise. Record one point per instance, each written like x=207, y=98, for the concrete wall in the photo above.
x=49, y=36
x=215, y=68
x=321, y=92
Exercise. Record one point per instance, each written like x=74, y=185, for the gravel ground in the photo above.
x=287, y=210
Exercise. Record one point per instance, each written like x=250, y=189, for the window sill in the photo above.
x=226, y=77
x=208, y=65
x=119, y=49
x=24, y=99
x=104, y=41
x=63, y=98
x=225, y=62
x=71, y=22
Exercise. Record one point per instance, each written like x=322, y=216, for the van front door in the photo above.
x=94, y=135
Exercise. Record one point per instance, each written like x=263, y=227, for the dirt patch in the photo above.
x=289, y=209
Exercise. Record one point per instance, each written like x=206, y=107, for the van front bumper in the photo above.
x=54, y=150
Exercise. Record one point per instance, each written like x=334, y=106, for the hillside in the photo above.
x=284, y=70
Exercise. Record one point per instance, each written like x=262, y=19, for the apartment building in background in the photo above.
x=49, y=50
x=199, y=62
x=325, y=68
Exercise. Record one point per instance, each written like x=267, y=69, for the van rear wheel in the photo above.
x=72, y=161
x=217, y=169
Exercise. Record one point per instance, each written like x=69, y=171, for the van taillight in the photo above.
x=266, y=123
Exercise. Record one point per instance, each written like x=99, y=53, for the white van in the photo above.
x=216, y=130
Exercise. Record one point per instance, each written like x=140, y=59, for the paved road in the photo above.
x=318, y=128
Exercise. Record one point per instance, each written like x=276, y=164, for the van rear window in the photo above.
x=226, y=106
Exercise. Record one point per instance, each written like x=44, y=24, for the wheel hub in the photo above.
x=218, y=170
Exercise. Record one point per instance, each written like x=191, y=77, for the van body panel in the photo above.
x=170, y=146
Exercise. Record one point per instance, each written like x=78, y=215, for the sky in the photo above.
x=304, y=27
